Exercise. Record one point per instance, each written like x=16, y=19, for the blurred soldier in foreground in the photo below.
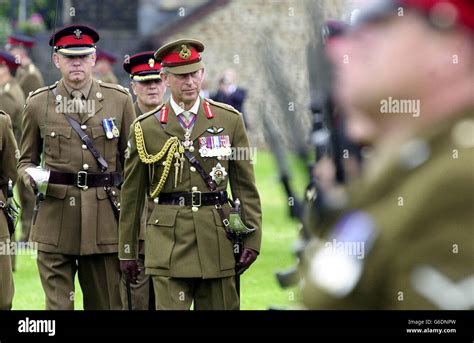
x=404, y=239
x=8, y=174
x=149, y=89
x=103, y=69
x=181, y=155
x=72, y=152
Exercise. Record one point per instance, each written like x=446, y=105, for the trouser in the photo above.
x=6, y=280
x=208, y=294
x=27, y=201
x=142, y=292
x=99, y=277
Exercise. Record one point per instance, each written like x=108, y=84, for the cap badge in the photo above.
x=151, y=62
x=78, y=34
x=185, y=53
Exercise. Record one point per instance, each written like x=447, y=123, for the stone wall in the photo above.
x=265, y=41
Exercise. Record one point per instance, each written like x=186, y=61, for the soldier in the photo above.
x=146, y=82
x=149, y=89
x=12, y=98
x=28, y=75
x=8, y=160
x=72, y=152
x=103, y=69
x=180, y=153
x=404, y=240
x=30, y=79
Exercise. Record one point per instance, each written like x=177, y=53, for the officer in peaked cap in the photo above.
x=404, y=239
x=28, y=75
x=146, y=82
x=103, y=69
x=149, y=90
x=75, y=137
x=30, y=79
x=189, y=254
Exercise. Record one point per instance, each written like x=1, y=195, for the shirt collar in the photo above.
x=178, y=109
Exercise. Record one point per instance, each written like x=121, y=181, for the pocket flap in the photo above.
x=57, y=191
x=101, y=193
x=97, y=131
x=163, y=216
x=53, y=131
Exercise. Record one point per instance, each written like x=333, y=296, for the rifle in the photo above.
x=282, y=164
x=325, y=138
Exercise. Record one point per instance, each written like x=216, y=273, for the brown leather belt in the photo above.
x=194, y=199
x=84, y=179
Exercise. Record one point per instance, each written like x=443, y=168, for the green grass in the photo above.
x=259, y=288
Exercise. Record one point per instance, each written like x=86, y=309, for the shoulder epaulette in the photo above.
x=147, y=114
x=114, y=86
x=222, y=105
x=42, y=89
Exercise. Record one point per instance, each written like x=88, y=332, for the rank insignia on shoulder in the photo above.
x=214, y=146
x=215, y=130
x=337, y=266
x=218, y=173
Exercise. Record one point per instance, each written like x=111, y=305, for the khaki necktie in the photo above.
x=78, y=104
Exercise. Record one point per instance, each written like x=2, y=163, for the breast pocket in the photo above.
x=106, y=147
x=160, y=237
x=58, y=144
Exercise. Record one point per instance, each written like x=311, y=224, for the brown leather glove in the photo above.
x=130, y=269
x=246, y=259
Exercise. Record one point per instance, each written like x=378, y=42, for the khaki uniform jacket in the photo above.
x=182, y=243
x=71, y=220
x=29, y=78
x=416, y=205
x=12, y=101
x=8, y=162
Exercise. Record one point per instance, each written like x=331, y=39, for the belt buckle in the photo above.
x=81, y=179
x=193, y=204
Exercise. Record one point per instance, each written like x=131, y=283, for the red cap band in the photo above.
x=174, y=58
x=72, y=40
x=145, y=67
x=15, y=42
